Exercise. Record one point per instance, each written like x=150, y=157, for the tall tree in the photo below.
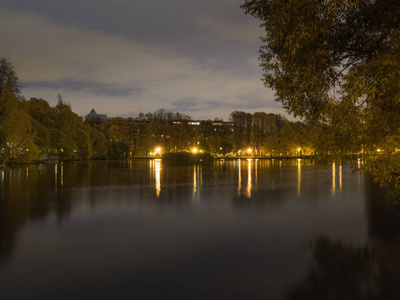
x=8, y=78
x=259, y=130
x=18, y=134
x=243, y=128
x=337, y=64
x=317, y=53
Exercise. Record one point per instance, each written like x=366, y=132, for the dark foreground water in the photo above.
x=265, y=229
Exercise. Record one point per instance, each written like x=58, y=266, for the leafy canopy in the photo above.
x=317, y=53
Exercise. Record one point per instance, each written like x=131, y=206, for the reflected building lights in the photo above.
x=334, y=188
x=62, y=174
x=249, y=183
x=197, y=181
x=157, y=170
x=55, y=176
x=239, y=177
x=194, y=182
x=333, y=179
x=298, y=177
x=27, y=183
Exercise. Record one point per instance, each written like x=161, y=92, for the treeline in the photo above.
x=260, y=133
x=31, y=129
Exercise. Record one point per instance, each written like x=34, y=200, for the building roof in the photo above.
x=95, y=117
x=92, y=115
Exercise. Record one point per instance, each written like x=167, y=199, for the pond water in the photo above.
x=237, y=229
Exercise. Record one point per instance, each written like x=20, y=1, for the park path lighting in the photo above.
x=157, y=151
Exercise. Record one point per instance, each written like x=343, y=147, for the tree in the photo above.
x=73, y=136
x=314, y=49
x=259, y=130
x=8, y=78
x=18, y=135
x=243, y=128
x=337, y=64
x=99, y=144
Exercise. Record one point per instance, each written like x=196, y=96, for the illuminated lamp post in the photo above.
x=157, y=151
x=249, y=150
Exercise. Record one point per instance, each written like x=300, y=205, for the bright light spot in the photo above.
x=194, y=150
x=249, y=150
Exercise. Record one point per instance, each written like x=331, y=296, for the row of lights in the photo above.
x=249, y=151
x=157, y=151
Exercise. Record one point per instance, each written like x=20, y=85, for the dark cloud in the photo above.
x=97, y=89
x=252, y=100
x=192, y=104
x=154, y=19
x=126, y=55
x=191, y=26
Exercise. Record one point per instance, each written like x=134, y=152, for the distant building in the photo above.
x=94, y=117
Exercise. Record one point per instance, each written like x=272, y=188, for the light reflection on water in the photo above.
x=141, y=229
x=298, y=177
x=247, y=171
x=249, y=184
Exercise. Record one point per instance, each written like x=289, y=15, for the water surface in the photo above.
x=241, y=229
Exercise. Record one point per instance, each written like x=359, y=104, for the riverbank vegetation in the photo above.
x=31, y=130
x=336, y=64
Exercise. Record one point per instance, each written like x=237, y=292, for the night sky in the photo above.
x=123, y=57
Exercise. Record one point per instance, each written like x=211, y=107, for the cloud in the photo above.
x=229, y=30
x=98, y=89
x=46, y=51
x=123, y=75
x=194, y=104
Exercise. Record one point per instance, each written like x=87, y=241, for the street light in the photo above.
x=194, y=150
